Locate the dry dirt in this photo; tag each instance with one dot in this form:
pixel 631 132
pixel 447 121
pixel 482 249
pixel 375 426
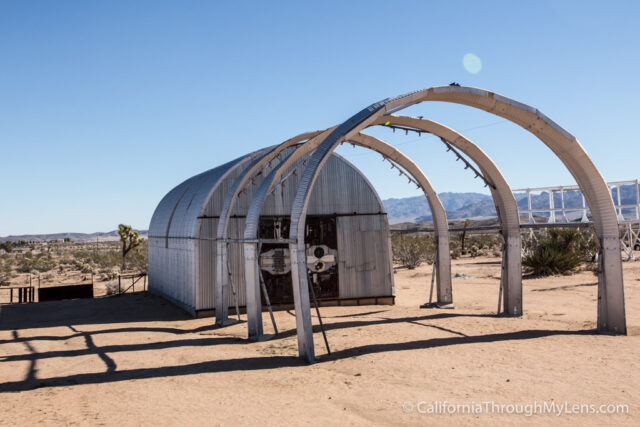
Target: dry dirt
pixel 136 359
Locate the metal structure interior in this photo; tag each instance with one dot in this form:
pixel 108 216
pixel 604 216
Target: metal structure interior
pixel 611 312
pixel 346 222
pixel 275 253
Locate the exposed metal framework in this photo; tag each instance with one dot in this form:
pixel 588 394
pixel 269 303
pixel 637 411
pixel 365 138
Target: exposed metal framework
pixel 258 165
pixel 628 213
pixel 254 306
pixel 467 164
pixel 183 236
pixel 178 217
pixel 611 313
pixel 506 207
pixel 511 280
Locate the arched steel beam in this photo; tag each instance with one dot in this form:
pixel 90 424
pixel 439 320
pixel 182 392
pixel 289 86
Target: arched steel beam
pixel 250 246
pixel 222 278
pixel 611 313
pixel 254 306
pixel 502 195
pixel 443 264
pixel 504 201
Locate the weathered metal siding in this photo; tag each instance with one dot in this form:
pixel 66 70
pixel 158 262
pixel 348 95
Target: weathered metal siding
pixel 164 210
pixel 341 189
pixel 364 265
pixel 182 249
pixel 172 232
pixel 172 270
pixel 207 251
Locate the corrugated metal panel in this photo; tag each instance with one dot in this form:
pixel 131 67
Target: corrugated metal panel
pixel 207 252
pixel 162 213
pixel 182 264
pixel 364 265
pixel 172 270
pixel 185 219
pixel 341 189
pixel 214 204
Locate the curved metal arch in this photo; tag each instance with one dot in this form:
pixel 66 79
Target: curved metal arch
pixel 611 315
pixel 504 201
pixel 221 283
pixel 443 264
pixel 254 307
pixel 502 195
pixel 250 249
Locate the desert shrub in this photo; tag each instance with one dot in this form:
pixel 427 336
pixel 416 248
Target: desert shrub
pixel 558 251
pixel 411 250
pixel 6 270
pixel 112 288
pixel 138 258
pixel 475 244
pixel 486 241
pixel 475 251
pixel 99 259
pixel 455 249
pixel 109 273
pixel 35 263
pixel 25 265
pixel 86 268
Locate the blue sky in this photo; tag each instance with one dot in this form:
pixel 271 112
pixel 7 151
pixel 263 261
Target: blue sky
pixel 105 106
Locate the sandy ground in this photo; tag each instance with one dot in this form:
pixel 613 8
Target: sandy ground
pixel 136 359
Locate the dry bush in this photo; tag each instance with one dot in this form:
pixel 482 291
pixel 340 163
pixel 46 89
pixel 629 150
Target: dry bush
pixel 138 258
pixel 6 269
pixel 96 259
pixel 412 250
pixel 455 249
pixel 38 263
pixel 558 251
pixel 112 288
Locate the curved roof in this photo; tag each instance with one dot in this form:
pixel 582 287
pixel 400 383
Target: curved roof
pixel 176 216
pixel 177 213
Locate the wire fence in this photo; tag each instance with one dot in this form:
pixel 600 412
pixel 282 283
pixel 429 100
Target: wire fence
pixel 38 290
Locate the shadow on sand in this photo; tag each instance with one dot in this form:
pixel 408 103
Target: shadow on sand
pixel 139 308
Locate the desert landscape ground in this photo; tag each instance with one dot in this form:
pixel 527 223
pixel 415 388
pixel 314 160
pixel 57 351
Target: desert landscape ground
pixel 136 359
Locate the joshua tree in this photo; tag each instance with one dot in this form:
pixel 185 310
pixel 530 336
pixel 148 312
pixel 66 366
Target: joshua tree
pixel 7 246
pixel 467 222
pixel 130 240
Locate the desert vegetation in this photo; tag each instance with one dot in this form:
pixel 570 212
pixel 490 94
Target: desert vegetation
pixel 545 252
pixel 410 250
pixel 559 251
pixel 65 262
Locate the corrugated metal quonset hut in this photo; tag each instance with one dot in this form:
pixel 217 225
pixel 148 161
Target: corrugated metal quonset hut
pixel 346 227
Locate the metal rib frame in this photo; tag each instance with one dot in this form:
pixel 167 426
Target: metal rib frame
pixel 503 199
pixel 254 308
pixel 222 283
pixel 611 312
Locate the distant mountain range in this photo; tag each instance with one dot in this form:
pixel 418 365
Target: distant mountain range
pixel 480 206
pixel 457 205
pixel 410 209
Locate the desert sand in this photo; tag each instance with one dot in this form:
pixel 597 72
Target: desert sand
pixel 138 360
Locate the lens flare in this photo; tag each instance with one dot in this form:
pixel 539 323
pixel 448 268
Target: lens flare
pixel 472 63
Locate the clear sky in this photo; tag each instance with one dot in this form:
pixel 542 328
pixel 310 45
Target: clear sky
pixel 107 105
